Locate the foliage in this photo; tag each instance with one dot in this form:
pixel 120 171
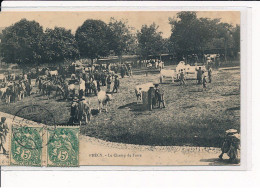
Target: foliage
pixel 150 41
pixel 21 43
pixel 122 39
pixel 93 39
pixel 189 33
pixel 193 35
pixel 236 36
pixel 59 45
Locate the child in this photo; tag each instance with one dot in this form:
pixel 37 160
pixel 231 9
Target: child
pixel 182 78
pixel 139 94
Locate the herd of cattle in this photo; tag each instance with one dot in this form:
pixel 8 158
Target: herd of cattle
pixel 79 81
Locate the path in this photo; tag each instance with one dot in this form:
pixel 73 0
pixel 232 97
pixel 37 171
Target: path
pixel 94 151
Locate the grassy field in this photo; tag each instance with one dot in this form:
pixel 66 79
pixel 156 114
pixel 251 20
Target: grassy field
pixel 193 116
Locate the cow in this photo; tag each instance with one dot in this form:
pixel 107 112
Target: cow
pixel 103 99
pixel 189 71
pixel 53 73
pixel 167 73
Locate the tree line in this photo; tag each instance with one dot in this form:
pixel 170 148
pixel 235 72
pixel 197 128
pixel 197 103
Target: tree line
pixel 25 42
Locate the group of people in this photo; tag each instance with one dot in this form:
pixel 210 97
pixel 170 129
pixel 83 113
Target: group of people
pixel 156 63
pixel 201 77
pixel 14 90
pixel 80 111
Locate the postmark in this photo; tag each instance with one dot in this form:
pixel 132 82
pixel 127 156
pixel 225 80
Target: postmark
pixel 63 147
pixel 29 135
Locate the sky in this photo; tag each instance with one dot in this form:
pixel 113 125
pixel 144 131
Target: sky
pixel 72 20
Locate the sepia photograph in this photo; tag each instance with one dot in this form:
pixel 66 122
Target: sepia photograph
pixel 128 88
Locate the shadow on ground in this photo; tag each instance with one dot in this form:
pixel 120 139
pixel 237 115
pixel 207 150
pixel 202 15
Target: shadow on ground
pixel 218 162
pixel 133 106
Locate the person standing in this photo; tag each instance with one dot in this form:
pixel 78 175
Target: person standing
pixel 210 74
pixel 74 111
pixel 204 82
pixel 82 88
pixel 199 75
pixel 130 70
pixel 182 78
pixel 151 97
pixel 116 84
pixel 109 81
pixel 3 133
pixel 122 71
pixel 159 95
pixel 83 111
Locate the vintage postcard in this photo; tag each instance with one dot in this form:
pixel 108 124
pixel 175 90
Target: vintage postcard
pixel 120 88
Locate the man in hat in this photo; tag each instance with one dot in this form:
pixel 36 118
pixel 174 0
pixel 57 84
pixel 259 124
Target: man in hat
pixel 116 84
pixel 3 133
pixel 159 95
pixel 199 75
pixel 74 110
pixel 231 145
pixel 83 111
pixel 109 81
pixel 82 87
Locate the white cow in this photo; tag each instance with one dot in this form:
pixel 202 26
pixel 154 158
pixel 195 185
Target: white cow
pixel 189 71
pixel 103 100
pixel 181 66
pixel 53 73
pixel 167 73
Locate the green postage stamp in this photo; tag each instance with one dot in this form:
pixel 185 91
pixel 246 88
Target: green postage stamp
pixel 63 147
pixel 38 146
pixel 26 146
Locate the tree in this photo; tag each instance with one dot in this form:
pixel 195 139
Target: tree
pixel 21 43
pixel 236 36
pixel 122 38
pixel 59 45
pixel 93 39
pixel 191 34
pixel 150 41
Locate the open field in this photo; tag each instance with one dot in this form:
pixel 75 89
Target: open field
pixel 192 117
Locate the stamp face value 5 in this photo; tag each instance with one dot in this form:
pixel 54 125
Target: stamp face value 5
pixel 26 146
pixel 63 147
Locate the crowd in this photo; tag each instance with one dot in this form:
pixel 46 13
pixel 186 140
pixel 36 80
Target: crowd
pixel 16 88
pixel 152 63
pixel 203 76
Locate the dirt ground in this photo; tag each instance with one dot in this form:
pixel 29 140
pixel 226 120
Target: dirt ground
pixel 193 116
